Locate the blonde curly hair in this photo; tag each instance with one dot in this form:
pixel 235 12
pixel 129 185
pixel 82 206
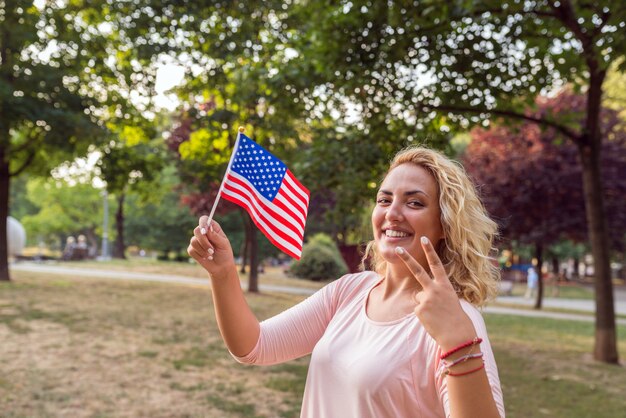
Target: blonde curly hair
pixel 468 229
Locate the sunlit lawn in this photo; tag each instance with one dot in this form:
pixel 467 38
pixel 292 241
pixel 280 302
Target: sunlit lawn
pixel 546 369
pixel 566 291
pixel 86 347
pixel 83 347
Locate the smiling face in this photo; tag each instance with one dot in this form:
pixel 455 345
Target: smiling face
pixel 407 208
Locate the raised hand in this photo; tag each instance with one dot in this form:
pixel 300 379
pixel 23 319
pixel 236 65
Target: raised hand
pixel 438 306
pixel 210 247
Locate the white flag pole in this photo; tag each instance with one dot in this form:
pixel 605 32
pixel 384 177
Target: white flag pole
pixel 230 163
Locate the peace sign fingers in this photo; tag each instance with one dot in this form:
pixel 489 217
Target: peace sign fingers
pixel 437 305
pixel 415 268
pixel 436 266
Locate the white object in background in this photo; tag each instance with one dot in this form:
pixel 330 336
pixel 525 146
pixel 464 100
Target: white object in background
pixel 16 236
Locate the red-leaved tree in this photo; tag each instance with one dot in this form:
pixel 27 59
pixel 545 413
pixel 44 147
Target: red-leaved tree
pixel 531 179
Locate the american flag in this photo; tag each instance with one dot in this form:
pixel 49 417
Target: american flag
pixel 276 201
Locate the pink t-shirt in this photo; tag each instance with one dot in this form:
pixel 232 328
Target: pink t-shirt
pixel 360 367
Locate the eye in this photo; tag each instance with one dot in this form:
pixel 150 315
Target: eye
pixel 383 201
pixel 415 204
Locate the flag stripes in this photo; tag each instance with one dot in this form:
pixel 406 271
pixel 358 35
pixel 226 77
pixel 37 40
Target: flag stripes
pixel 275 200
pixel 239 186
pixel 282 227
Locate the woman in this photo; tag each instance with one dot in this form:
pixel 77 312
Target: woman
pixel 404 340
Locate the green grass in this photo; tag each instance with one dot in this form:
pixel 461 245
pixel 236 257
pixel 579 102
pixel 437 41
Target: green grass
pixel 245 410
pixel 546 369
pixel 194 357
pixel 153 349
pixel 549 309
pixel 18 317
pixel 567 291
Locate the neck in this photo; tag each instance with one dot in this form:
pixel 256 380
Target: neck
pixel 398 280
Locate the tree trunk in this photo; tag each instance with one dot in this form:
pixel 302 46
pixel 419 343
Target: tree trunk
pixel 605 348
pixel 244 250
pixel 5 141
pixel 556 266
pixel 253 279
pixel 245 243
pixel 119 248
pixel 576 274
pixel 539 257
pixel 589 147
pixel 4 213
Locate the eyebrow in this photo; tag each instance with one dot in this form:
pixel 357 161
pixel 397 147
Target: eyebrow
pixel 407 193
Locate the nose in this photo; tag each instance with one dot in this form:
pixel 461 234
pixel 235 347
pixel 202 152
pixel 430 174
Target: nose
pixel 394 212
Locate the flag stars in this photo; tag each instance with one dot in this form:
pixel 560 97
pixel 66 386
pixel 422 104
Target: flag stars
pixel 260 168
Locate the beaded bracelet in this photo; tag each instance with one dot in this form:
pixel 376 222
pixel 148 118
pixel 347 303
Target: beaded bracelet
pixel 460 360
pixel 470 343
pixel 467 372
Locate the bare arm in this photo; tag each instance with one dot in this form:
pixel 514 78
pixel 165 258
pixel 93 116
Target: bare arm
pixel 470 395
pixel 440 311
pixel 237 323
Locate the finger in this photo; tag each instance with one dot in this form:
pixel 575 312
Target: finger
pixel 434 262
pixel 199 234
pixel 201 244
pixel 414 267
pixel 216 236
pixel 199 256
pixel 417 297
pixel 207 226
pixel 216 228
pixel 213 233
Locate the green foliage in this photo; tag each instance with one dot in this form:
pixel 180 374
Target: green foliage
pixel 567 249
pixel 62 209
pixel 320 260
pixel 45 115
pixel 445 64
pixel 155 218
pixel 57 85
pixel 615 90
pixel 122 166
pixel 19 205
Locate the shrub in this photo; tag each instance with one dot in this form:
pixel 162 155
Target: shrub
pixel 320 260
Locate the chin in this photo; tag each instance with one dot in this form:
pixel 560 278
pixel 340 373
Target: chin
pixel 389 255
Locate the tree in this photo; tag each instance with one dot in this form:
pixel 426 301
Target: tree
pixel 156 219
pixel 566 250
pixel 130 159
pixel 462 62
pixel 19 205
pixel 64 209
pixel 242 85
pixel 532 179
pixel 45 115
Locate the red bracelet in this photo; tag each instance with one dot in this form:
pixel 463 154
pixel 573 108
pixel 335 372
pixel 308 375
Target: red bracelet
pixel 476 340
pixel 467 372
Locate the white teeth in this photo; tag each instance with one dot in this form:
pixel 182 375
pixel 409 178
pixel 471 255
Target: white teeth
pixel 395 234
